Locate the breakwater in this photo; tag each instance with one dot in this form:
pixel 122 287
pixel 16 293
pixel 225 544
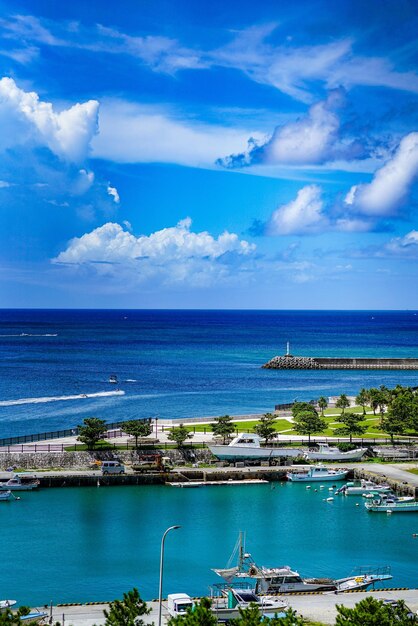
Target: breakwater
pixel 288 361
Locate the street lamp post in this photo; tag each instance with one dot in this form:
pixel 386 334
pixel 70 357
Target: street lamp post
pixel 160 592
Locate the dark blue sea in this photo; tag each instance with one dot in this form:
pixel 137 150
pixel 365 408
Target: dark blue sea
pixel 182 363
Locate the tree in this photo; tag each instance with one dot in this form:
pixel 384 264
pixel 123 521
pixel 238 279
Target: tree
pixel 298 407
pixel 92 430
pixel 372 612
pixel 363 398
pixel 322 404
pixel 352 426
pixel 12 618
pixel 392 424
pixel 127 611
pixel 137 428
pixel 200 615
pixel 265 427
pixel 179 434
pixel 308 423
pixel 374 399
pixel 223 426
pixel 342 403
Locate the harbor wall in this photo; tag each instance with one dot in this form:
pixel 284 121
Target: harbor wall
pixel 300 362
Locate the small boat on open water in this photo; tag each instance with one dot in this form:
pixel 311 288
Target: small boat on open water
pixel 16 484
pixel 317 473
pixel 247 446
pixel 325 452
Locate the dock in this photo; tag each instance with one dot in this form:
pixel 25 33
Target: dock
pixel 319 607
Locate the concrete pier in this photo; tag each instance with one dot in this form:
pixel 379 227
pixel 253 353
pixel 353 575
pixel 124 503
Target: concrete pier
pixel 334 363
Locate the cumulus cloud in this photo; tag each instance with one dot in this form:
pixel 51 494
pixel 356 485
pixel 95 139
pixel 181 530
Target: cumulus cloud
pixel 391 184
pixel 312 139
pixel 131 133
pixel 174 254
pixel 67 133
pixel 113 192
pixel 300 216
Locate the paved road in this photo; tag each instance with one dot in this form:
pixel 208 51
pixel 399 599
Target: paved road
pixel 314 607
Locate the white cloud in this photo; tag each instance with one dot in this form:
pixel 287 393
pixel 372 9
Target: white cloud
pixel 406 246
pixel 312 139
pixel 391 183
pixel 132 133
pixel 300 216
pixel 4 184
pixel 113 192
pixel 172 255
pixel 292 69
pixel 25 118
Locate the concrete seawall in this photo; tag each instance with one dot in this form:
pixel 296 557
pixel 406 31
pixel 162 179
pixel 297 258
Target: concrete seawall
pixel 331 363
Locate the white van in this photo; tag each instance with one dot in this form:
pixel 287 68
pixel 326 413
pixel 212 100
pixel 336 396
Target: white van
pixel 112 467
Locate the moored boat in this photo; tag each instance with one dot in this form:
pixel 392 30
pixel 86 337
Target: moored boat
pixel 317 473
pixel 5 496
pixel 283 579
pixel 6 604
pixel 363 487
pixel 16 484
pixel 247 446
pixel 325 452
pixel 384 505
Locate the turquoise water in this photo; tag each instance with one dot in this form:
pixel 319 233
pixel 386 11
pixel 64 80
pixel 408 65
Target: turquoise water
pixel 76 545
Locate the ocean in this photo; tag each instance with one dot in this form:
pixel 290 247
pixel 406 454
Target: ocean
pixel 182 363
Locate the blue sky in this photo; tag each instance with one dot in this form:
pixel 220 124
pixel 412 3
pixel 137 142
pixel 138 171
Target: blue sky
pixel 209 154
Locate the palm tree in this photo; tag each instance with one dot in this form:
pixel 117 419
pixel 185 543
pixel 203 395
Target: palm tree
pixel 322 404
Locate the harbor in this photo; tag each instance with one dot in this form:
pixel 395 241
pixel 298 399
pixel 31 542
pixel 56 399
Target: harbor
pixel 313 607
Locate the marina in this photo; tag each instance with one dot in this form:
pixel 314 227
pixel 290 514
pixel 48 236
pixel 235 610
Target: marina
pixel 107 527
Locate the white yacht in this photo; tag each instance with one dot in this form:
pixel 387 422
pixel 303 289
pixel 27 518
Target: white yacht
pixel 248 446
pixel 325 452
pixel 317 473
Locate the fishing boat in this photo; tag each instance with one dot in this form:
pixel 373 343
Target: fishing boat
pixel 16 484
pixel 317 473
pixel 325 452
pixel 247 446
pixel 285 580
pixel 6 604
pixel 5 496
pixel 383 505
pixel 113 379
pixel 364 487
pixel 227 600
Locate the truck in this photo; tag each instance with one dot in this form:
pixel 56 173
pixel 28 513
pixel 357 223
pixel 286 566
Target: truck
pixel 151 463
pixel 178 603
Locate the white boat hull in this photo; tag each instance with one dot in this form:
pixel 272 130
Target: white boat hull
pixel 353 455
pixel 240 453
pixel 306 478
pixel 395 507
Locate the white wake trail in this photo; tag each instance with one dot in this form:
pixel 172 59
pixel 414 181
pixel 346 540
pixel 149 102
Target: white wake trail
pixel 79 396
